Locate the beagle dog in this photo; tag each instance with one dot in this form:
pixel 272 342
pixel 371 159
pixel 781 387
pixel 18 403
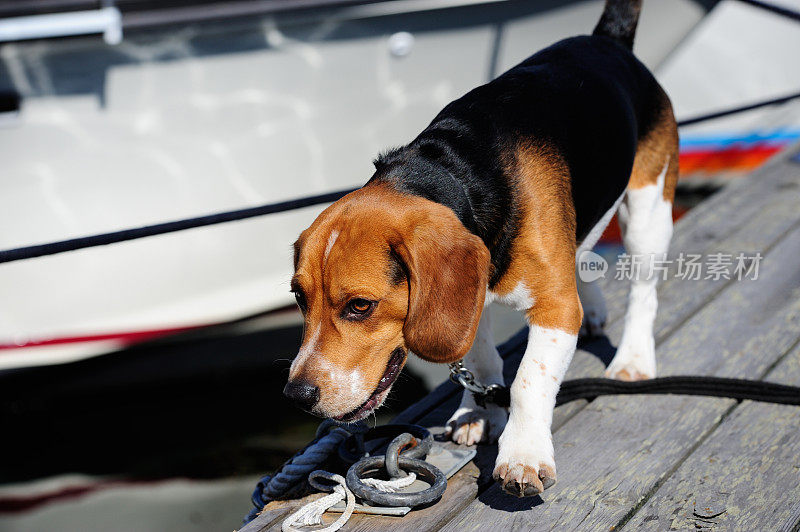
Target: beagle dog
pixel 494 201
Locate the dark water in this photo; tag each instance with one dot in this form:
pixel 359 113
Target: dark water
pixel 205 406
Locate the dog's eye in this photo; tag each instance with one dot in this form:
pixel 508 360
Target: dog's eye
pixel 359 307
pixel 300 297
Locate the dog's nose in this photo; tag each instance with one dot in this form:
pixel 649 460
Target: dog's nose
pixel 302 393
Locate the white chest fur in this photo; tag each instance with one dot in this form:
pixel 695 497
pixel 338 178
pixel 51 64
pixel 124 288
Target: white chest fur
pixel 520 298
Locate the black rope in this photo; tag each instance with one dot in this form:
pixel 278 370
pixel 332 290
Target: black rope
pixel 740 389
pixel 782 11
pixel 736 110
pixel 40 250
pixel 103 239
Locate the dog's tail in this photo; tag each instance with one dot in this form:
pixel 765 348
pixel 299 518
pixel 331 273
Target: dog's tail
pixel 619 21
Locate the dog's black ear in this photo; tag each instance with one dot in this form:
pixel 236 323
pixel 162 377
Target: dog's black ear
pixel 448 271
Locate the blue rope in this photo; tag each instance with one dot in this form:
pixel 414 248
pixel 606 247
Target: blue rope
pixel 292 474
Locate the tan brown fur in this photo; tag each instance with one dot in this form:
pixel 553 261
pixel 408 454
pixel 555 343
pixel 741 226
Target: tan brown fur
pixel 652 152
pixel 434 311
pixel 544 250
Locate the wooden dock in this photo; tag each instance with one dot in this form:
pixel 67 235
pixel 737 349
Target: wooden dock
pixel 662 462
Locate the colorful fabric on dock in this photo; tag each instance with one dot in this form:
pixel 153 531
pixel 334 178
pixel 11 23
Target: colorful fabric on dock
pixel 742 152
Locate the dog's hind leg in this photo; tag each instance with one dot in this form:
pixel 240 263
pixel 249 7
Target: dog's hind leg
pixel 594 308
pixel 591 296
pixel 645 218
pixel 472 423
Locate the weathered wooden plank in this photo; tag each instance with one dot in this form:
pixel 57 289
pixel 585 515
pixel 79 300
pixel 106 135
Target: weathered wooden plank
pixel 745 476
pixel 739 333
pixel 793 523
pixel 601 474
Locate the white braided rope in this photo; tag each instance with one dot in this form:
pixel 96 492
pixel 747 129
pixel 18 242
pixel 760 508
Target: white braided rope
pixel 391 486
pixel 311 514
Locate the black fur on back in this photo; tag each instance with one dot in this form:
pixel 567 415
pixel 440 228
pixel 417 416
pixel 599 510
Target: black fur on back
pixel 586 98
pixel 451 163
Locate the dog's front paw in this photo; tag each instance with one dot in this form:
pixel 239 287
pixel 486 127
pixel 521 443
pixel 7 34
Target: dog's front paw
pixel 523 480
pixel 525 465
pixel 474 424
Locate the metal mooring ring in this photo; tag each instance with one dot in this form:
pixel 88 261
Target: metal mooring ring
pixel 423 470
pixel 349 449
pixel 393 451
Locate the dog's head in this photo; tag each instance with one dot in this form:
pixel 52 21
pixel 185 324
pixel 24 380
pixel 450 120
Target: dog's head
pixel 379 274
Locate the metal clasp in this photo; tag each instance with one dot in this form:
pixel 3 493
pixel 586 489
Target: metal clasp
pixel 463 377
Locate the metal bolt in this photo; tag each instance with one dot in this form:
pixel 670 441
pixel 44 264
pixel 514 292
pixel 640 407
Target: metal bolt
pixel 401 43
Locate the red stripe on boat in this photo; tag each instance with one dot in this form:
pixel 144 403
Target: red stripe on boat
pixel 10 504
pixel 128 337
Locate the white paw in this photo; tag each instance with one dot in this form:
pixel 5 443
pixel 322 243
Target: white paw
pixel 525 466
pixel 474 424
pixel 634 361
